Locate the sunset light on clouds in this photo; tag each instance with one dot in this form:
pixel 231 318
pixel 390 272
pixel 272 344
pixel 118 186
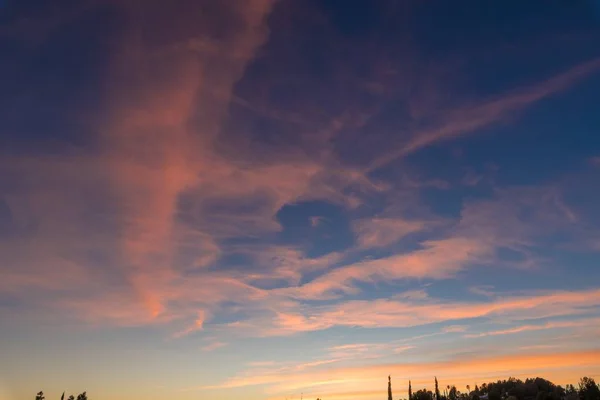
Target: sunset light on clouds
pixel 260 199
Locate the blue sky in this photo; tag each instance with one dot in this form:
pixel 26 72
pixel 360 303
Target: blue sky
pixel 206 201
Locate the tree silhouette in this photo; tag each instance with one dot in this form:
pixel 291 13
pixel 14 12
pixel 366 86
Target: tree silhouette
pixel 409 390
pixel 390 388
pixel 588 390
pixel 570 389
pixel 423 394
pixel 452 394
pixel 437 390
pixel 494 395
pixel 40 396
pixel 82 396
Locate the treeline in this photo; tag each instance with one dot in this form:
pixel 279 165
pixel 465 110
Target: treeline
pixel 510 389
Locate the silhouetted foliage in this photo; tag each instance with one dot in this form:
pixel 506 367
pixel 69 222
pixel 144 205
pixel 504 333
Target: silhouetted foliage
pixel 423 394
pixel 570 389
pixel 82 396
pixel 409 391
pixel 437 390
pixel 588 389
pixel 519 390
pixel 494 395
pixel 453 393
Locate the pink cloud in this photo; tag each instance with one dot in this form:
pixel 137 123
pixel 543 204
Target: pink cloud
pixel 381 232
pixel 438 259
pixel 214 346
pixel 198 325
pixel 484 228
pixel 548 325
pixel 150 157
pixel 292 318
pixel 455 328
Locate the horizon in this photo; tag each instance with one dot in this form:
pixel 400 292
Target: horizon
pixel 262 198
pixel 507 389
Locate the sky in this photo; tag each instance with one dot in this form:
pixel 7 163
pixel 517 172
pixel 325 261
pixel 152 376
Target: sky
pixel 281 199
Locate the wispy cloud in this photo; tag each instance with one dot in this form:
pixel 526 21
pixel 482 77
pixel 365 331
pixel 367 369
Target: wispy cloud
pixel 467 119
pixel 438 259
pixel 316 221
pixel 381 232
pixel 455 328
pixel 452 371
pixel 367 350
pixel 214 346
pixel 549 325
pixel 275 317
pixel 197 326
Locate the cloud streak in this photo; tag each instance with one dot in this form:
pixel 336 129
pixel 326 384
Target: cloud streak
pixel 448 370
pixel 466 120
